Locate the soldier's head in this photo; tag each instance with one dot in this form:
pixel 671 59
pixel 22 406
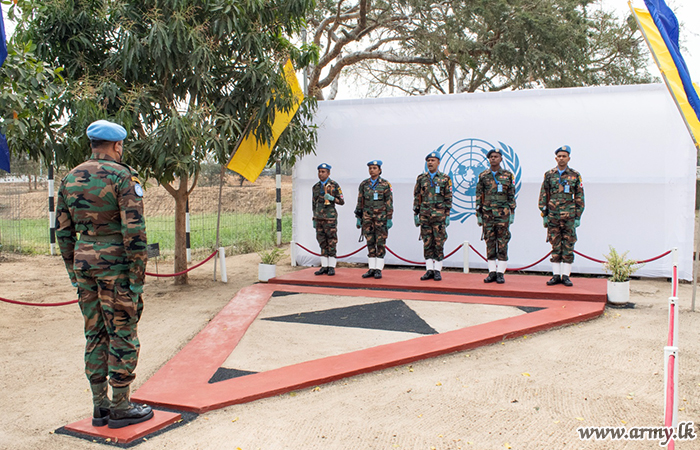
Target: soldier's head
pixel 432 160
pixel 375 168
pixel 106 137
pixel 562 156
pixel 324 171
pixel 495 157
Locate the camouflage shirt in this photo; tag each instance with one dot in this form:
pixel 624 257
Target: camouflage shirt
pixel 323 211
pixel 102 201
pixel 375 202
pixel 495 195
pixel 561 196
pixel 433 197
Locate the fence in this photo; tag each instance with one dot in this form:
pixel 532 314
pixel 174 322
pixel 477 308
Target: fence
pixel 248 215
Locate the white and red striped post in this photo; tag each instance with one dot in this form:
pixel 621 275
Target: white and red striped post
pixel 671 356
pixel 187 231
pixel 52 212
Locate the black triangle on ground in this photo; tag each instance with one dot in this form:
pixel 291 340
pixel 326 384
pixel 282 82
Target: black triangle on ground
pixel 393 315
pixel 529 309
pixel 223 374
pixel 283 293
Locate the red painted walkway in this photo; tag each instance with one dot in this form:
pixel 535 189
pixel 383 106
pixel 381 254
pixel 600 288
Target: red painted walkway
pixel 182 384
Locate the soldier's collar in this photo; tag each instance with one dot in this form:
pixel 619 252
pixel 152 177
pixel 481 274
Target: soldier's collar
pixel 105 156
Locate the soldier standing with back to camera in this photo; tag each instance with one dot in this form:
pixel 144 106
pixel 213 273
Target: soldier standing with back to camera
pixel 325 195
pixel 561 203
pixel 495 212
pixel 432 203
pixel 374 212
pixel 101 232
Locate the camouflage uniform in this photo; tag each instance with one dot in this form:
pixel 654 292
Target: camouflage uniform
pixel 101 201
pixel 432 202
pixel 562 202
pixel 375 206
pixel 494 208
pixel 326 216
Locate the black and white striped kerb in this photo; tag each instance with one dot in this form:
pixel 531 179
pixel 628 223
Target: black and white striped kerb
pixel 187 231
pixel 52 213
pixel 278 199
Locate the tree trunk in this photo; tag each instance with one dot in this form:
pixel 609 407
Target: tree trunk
pixel 180 195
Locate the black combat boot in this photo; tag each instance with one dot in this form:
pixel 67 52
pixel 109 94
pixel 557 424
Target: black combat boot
pixel 369 273
pixel 556 279
pixel 566 281
pixel 499 278
pixel 428 275
pixel 123 413
pixel 377 274
pixel 330 271
pixel 437 276
pixel 490 278
pixel 321 271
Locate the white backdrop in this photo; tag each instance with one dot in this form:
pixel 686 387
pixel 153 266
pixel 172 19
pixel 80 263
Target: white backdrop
pixel 629 143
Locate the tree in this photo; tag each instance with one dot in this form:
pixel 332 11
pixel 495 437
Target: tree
pixel 187 78
pixel 423 46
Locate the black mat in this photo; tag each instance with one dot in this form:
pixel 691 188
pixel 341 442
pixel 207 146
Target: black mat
pixel 223 374
pixel 528 309
pixel 392 315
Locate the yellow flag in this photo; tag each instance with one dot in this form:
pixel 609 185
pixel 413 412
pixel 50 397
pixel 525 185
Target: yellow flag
pixel 251 157
pixel 669 71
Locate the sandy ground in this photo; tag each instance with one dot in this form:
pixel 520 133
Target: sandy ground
pixel 528 393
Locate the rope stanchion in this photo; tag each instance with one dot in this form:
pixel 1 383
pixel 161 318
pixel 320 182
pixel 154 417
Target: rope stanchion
pixel 15 302
pixel 184 271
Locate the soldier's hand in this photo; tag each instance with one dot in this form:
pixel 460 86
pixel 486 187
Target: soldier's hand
pixel 545 220
pixel 416 220
pixel 447 221
pixel 577 222
pixel 511 219
pixel 329 197
pixel 389 223
pixel 479 220
pixel 359 223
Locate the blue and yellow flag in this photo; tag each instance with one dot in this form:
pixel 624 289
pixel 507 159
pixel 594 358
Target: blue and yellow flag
pixel 251 157
pixel 660 29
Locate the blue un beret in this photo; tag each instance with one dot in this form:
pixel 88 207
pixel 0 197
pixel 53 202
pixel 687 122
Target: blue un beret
pixel 324 166
pixel 433 155
pixel 376 162
pixel 104 130
pixel 494 150
pixel 563 148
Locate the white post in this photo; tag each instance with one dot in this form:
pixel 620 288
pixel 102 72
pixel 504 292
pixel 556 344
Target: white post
pixel 674 278
pixel 465 252
pixel 293 253
pixel 222 263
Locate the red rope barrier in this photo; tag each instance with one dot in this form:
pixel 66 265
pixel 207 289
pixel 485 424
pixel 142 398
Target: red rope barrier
pixel 15 302
pixel 403 259
pixel 654 258
pixel 515 269
pixel 588 257
pixel 477 252
pixel 339 257
pixel 454 251
pixel 184 271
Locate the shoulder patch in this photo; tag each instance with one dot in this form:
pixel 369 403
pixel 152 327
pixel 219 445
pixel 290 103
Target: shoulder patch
pixel 138 190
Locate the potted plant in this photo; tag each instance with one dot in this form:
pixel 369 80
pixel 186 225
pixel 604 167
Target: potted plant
pixel 620 269
pixel 268 263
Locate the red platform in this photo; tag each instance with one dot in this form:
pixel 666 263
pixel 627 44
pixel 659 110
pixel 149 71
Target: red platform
pixel 183 383
pixel 160 420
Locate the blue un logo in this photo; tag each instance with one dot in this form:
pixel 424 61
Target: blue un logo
pixel 463 161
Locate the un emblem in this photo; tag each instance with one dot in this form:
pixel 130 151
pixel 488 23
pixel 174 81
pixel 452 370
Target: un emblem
pixel 463 161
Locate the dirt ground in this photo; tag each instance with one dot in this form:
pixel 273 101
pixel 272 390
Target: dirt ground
pixel 528 393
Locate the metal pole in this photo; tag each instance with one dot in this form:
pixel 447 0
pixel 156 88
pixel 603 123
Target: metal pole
pixel 278 182
pixel 52 213
pixel 187 231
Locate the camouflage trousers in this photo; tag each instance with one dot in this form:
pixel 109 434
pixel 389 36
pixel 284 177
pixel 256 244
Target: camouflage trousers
pixel 561 233
pixel 497 236
pixel 327 236
pixel 375 232
pixel 111 312
pixel 434 234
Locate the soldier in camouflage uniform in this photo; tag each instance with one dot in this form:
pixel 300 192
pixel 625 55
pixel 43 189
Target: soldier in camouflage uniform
pixel 374 211
pixel 102 236
pixel 495 211
pixel 325 195
pixel 432 203
pixel 562 203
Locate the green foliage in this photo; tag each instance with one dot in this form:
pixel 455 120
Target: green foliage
pixel 271 256
pixel 619 267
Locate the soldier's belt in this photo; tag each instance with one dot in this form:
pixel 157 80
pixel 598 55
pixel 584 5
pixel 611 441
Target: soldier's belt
pixel 103 238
